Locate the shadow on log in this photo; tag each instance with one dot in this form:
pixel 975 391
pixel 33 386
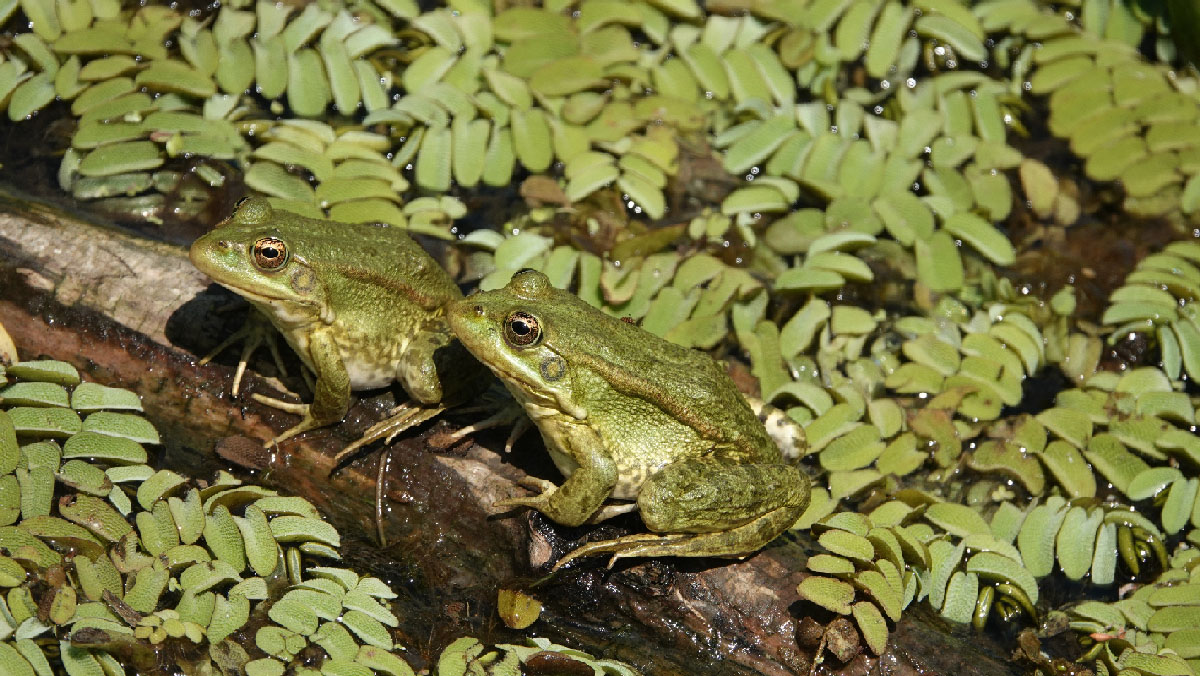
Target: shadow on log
pixel 133 313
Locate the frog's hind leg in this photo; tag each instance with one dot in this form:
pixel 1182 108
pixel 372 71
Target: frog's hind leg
pixel 734 542
pixel 501 410
pixel 400 419
pixel 702 508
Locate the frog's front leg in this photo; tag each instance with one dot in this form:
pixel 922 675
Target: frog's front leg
pixel 420 372
pixel 582 494
pixel 331 394
pixel 437 372
pixel 254 332
pixel 706 508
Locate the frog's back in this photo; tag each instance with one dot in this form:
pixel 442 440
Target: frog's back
pixel 397 263
pixel 687 384
pixel 372 256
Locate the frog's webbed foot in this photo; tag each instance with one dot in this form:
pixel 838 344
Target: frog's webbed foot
pixel 254 332
pixel 508 414
pixel 399 419
pixel 641 544
pixel 307 420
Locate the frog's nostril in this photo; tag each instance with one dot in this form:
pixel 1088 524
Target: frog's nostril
pixel 478 310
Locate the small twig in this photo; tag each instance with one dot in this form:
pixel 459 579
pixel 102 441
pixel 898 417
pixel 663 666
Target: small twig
pixel 121 609
pixel 383 460
pixel 812 670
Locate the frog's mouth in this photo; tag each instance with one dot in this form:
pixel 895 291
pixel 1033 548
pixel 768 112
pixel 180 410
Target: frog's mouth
pixel 287 309
pixel 249 295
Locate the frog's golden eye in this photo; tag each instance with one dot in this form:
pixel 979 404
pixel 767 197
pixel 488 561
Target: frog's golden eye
pixel 522 329
pixel 270 253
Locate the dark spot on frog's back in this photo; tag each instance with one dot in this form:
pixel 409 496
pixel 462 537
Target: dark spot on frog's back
pixel 303 280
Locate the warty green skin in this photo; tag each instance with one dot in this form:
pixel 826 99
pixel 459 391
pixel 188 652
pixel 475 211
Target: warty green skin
pixel 628 415
pixel 361 304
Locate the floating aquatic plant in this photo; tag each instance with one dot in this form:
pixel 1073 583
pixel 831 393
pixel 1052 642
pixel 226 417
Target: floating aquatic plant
pixel 863 143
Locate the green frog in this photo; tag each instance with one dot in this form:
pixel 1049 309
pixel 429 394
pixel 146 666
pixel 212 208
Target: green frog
pixel 629 416
pixel 361 304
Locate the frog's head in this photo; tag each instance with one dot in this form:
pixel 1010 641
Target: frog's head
pixel 512 330
pixel 252 253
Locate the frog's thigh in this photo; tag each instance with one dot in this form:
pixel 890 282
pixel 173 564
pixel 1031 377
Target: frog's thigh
pixel 698 496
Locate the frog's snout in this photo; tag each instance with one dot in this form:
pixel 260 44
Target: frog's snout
pixel 207 254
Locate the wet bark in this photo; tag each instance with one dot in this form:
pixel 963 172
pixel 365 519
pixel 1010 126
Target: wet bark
pixel 134 313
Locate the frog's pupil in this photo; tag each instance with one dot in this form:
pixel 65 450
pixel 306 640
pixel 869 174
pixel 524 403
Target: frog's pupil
pixel 520 328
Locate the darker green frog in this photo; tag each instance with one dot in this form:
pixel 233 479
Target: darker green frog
pixel 628 416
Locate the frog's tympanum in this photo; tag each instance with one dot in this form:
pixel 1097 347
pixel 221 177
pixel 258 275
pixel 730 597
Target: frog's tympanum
pixel 629 416
pixel 361 304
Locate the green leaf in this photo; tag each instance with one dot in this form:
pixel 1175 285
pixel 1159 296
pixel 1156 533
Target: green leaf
pixel 833 595
pixel 848 544
pixel 1150 482
pixel 938 264
pixel 961 594
pixel 957 519
pixel 166 75
pixel 1037 537
pixel 890 30
pixel 854 450
pixel 89 397
pixel 1069 468
pixel 1076 541
pixel 999 567
pixel 982 236
pixel 757 145
pixel 121 158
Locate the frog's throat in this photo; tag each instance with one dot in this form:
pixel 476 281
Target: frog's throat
pixel 537 403
pixel 274 306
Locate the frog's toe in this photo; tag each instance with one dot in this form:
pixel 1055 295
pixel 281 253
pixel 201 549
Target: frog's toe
pixel 256 331
pixel 286 406
pixel 307 421
pixel 535 484
pixel 400 419
pixel 537 502
pixel 509 414
pixel 629 546
pixel 304 426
